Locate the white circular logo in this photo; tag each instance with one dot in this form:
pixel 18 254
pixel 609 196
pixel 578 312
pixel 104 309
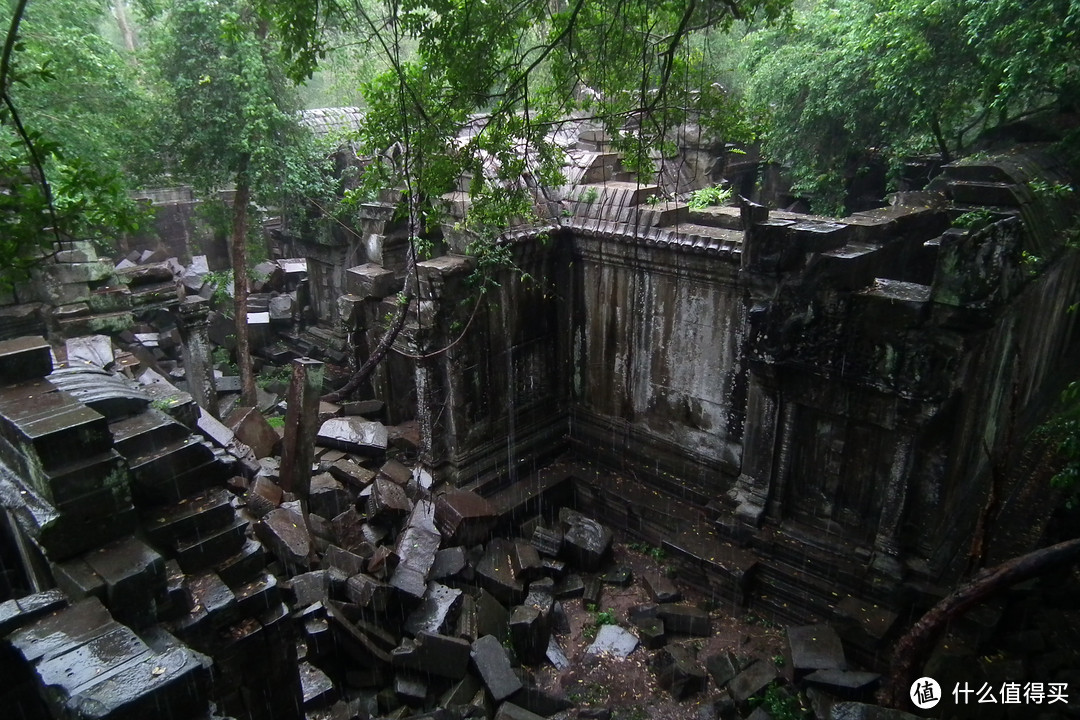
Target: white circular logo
pixel 925 693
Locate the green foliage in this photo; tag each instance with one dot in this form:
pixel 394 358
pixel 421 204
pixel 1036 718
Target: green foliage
pixel 510 72
pixel 223 360
pixel 850 79
pixel 1064 431
pixel 72 130
pixel 221 282
pixel 781 705
pixel 1050 190
pixel 606 617
pixel 711 195
pixel 656 552
pixel 273 375
pixel 276 422
pixel 589 196
pixel 974 220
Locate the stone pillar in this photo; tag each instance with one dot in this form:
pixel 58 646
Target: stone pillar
pixel 301 426
pixel 761 441
pixel 887 555
pixel 192 322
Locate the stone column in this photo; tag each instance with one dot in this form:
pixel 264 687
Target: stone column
pixel 887 555
pixel 761 440
pixel 301 426
pixel 192 322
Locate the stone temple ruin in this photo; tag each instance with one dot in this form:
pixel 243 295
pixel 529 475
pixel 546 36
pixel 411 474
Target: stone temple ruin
pixel 804 414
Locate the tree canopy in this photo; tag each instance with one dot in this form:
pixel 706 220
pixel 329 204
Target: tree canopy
pixel 845 79
pixel 74 131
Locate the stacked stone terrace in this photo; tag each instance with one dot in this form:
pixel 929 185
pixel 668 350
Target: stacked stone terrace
pixel 124 509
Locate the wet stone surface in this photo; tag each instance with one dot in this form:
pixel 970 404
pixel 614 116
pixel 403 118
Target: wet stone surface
pixel 354 435
pixel 613 640
pixel 492 663
pixel 816 647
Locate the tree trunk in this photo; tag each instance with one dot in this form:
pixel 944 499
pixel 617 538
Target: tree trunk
pixel 387 341
pixel 119 9
pixel 913 649
pixel 248 396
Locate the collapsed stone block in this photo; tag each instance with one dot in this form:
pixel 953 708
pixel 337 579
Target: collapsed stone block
pixel 530 633
pixel 493 665
pixel 327 497
pixel 464 517
pixel 436 611
pixel 686 620
pixel 284 533
pixel 678 672
pixel 353 435
pixel 251 428
pixel 497 572
pixel 585 541
pixel 434 654
pixel 752 680
pixel 416 548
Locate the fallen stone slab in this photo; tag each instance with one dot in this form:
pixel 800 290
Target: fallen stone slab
pixel 307 588
pixel 434 654
pixel 815 647
pixel 347 562
pixel 387 500
pixel 529 634
pixel 94 350
pixel 752 680
pixel 358 643
pixel 527 560
pixel 492 618
pixel 723 667
pixel 651 632
pixel 251 428
pixel 416 548
pixel 347 530
pixel 493 665
pixel 556 656
pixel 547 541
pixel 585 541
pixel 571 586
pixel 398 473
pixel 316 687
pixel 613 640
pixel 677 671
pixel 411 689
pixel 436 610
pixel 352 474
pixel 464 517
pixel 367 592
pixel 844 682
pixel 448 563
pixel 284 533
pixel 660 588
pixel 496 572
pixel 327 497
pixel 686 620
pixel 353 435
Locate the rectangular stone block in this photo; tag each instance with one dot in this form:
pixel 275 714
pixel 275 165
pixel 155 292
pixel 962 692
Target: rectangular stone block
pixel 371 281
pixel 24 358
